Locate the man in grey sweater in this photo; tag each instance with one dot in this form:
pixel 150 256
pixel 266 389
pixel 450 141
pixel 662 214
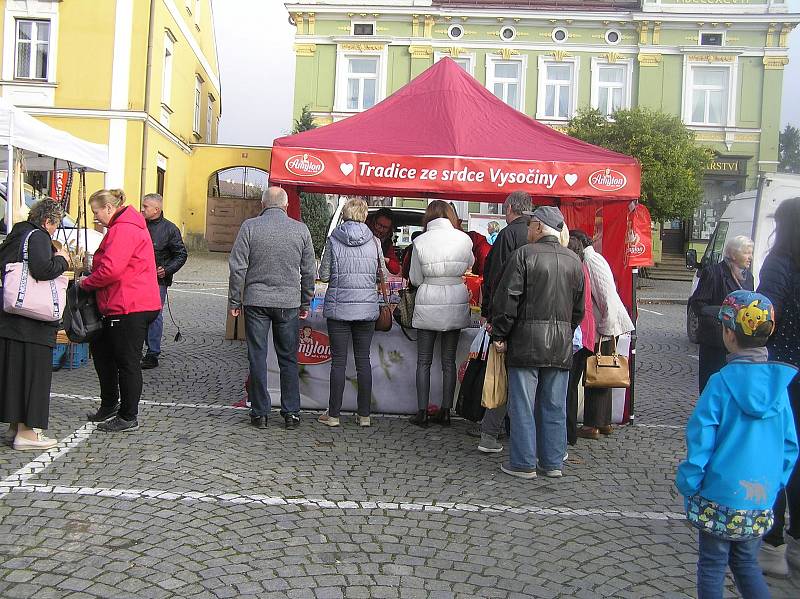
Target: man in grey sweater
pixel 272 270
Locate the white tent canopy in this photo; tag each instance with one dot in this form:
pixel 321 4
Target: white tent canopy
pixel 41 144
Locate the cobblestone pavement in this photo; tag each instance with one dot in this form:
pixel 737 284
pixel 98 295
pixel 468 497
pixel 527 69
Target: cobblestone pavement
pixel 199 504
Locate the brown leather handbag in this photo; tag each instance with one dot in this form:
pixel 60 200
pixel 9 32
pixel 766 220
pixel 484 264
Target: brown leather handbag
pixel 607 371
pixel 384 322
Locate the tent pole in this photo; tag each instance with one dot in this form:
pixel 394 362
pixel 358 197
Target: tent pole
pixel 10 190
pixel 632 361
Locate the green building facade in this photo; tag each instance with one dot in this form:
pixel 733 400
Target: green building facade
pixel 719 64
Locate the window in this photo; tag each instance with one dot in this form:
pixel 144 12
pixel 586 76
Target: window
pixel 455 32
pixel 33 49
pixel 610 87
pixel 363 28
pixel 612 37
pixel 508 33
pixel 506 83
pixel 709 95
pixel 464 63
pixel 198 94
pixel 161 173
pixel 560 35
pixel 465 60
pixel 166 82
pixel 362 83
pixel 209 118
pixel 711 39
pixel 557 89
pixel 197 13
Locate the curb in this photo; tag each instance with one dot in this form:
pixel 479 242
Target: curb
pixel 663 300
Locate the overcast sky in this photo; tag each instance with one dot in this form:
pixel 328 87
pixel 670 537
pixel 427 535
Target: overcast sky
pixel 255 45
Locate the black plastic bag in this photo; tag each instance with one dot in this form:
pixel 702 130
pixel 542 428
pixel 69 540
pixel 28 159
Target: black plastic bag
pixel 82 319
pixel 468 405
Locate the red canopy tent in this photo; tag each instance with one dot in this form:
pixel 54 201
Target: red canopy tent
pixel 446 136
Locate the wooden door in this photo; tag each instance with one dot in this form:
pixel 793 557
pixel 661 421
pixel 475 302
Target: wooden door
pixel 224 217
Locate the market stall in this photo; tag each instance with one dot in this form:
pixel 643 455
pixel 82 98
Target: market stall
pixel 446 136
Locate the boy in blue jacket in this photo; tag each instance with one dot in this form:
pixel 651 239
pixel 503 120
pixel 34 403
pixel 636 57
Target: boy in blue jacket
pixel 742 447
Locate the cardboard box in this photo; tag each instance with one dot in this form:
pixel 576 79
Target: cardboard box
pixel 234 327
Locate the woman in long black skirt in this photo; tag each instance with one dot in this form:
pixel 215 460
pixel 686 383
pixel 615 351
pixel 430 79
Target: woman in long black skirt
pixel 26 345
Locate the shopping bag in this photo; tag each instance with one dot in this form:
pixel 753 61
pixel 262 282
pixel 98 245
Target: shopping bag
pixel 468 404
pixel 404 311
pixel 495 383
pixel 82 319
pixel 607 371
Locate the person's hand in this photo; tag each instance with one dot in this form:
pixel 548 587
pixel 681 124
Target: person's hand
pixel 500 347
pixel 235 312
pixel 303 313
pixel 64 254
pixel 386 260
pixel 161 272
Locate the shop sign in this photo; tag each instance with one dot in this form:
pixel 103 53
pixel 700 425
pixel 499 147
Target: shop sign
pixel 721 166
pixel 314 348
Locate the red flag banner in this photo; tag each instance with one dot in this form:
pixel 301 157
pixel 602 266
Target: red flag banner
pixel 639 239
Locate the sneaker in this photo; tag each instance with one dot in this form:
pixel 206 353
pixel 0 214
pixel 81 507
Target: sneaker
pixel 364 421
pixel 566 457
pixel 118 425
pixel 552 473
pixel 102 414
pixel 258 421
pixel 292 421
pixel 526 473
pixel 773 560
pixel 149 361
pixel 325 419
pixel 489 444
pixel 39 443
pixel 475 432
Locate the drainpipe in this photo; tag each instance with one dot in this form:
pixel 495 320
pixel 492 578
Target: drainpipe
pixel 147 80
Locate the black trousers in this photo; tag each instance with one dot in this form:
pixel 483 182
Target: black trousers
pixel 340 333
pixel 598 405
pixel 712 359
pixel 791 498
pixel 575 374
pixel 117 357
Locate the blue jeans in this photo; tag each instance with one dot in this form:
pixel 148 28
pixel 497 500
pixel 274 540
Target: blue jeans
pixel 286 339
pixel 156 328
pixel 537 409
pixel 714 557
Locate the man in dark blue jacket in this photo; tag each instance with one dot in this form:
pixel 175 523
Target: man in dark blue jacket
pixel 170 257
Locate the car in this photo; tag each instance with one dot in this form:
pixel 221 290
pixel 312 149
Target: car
pixel 68 232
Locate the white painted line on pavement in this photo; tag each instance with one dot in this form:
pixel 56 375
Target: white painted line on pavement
pixel 410 506
pixel 42 462
pixel 695 357
pixel 199 292
pixel 201 283
pixel 650 311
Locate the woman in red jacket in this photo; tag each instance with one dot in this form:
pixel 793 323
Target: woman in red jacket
pixel 125 281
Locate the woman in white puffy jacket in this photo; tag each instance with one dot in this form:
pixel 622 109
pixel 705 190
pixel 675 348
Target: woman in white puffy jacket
pixel 442 254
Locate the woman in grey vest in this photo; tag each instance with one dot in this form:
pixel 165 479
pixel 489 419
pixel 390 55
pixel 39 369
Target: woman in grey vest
pixel 350 265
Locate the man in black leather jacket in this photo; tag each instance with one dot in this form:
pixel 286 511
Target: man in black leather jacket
pixel 534 319
pixel 170 257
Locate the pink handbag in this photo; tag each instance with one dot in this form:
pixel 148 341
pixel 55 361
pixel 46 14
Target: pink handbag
pixel 25 296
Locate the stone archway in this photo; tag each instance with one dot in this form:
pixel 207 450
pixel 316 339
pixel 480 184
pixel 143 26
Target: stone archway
pixel 234 195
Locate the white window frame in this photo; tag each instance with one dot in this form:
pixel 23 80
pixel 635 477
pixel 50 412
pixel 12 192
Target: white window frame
pixel 33 43
pixel 198 104
pixel 553 35
pixel 469 56
pixel 450 31
pixel 541 96
pixel 196 13
pixel 492 60
pixel 353 28
pixel 36 10
pixel 688 91
pixel 168 59
pixel 627 86
pixel 342 58
pixel 713 31
pixel 507 39
pixel 210 118
pixel 609 32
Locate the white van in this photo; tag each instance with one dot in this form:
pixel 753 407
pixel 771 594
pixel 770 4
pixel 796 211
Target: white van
pixel 751 214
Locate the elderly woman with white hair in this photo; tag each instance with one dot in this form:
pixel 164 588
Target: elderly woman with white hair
pixel 716 282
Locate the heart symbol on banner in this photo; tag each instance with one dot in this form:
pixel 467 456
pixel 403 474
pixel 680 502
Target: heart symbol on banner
pixel 571 178
pixel 346 168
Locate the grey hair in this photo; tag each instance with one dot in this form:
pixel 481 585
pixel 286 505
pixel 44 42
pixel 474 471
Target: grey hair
pixel 46 211
pixel 548 230
pixel 274 197
pixel 518 202
pixel 156 197
pixel 738 245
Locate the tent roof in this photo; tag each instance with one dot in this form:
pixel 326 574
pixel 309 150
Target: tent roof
pixel 42 143
pixel 446 112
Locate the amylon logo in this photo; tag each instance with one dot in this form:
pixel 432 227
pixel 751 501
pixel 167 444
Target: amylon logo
pixel 304 165
pixel 315 347
pixel 607 180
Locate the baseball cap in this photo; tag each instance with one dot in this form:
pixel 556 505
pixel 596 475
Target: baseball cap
pixel 748 313
pixel 549 215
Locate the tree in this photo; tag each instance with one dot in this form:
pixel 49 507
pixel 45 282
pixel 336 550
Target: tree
pixel 672 163
pixel 313 206
pixel 789 150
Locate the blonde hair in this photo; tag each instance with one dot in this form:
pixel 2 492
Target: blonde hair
pixel 107 197
pixel 355 210
pixel 563 236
